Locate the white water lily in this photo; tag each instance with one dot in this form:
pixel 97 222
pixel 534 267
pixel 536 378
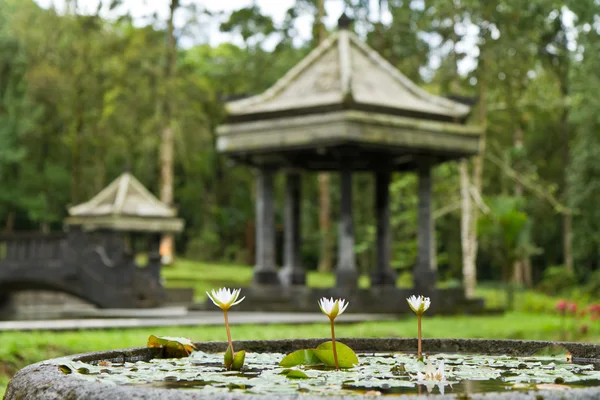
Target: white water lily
pixel 419 304
pixel 333 308
pixel 225 298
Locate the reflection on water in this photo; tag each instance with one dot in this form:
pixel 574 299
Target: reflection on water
pixel 465 386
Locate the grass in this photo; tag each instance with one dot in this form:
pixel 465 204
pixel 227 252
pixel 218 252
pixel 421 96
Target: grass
pixel 205 276
pixel 532 319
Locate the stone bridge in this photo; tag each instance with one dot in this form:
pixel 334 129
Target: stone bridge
pixel 97 267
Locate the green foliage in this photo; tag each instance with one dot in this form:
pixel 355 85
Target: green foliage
pixel 557 280
pixel 591 286
pixel 80 99
pixel 584 172
pixel 506 232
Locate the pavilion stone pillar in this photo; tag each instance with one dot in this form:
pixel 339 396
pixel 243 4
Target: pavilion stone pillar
pixel 383 274
pixel 265 271
pixel 292 272
pixel 346 272
pixel 424 274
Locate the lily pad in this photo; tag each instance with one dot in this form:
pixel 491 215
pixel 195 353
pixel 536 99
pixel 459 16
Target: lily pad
pixel 173 346
pixel 263 374
pixel 300 357
pixel 296 374
pixel 347 358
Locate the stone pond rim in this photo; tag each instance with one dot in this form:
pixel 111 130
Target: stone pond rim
pixel 44 380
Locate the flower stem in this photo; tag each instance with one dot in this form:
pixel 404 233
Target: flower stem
pixel 419 336
pixel 227 329
pixel 335 357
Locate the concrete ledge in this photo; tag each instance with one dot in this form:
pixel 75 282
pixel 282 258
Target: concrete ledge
pixel 45 381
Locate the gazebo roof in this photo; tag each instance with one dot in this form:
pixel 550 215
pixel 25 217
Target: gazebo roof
pixel 344 69
pixel 126 205
pixel 344 95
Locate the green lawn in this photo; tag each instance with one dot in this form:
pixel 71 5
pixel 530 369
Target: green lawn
pixel 203 277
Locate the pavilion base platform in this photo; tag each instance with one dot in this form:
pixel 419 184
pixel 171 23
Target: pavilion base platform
pixel 384 300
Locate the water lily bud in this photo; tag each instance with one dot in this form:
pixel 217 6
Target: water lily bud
pixel 238 360
pixel 228 359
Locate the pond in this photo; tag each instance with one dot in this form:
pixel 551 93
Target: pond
pixel 474 369
pixel 384 373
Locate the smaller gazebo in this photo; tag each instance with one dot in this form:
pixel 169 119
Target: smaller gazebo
pixel 125 208
pixel 125 205
pixel 344 108
pixel 121 222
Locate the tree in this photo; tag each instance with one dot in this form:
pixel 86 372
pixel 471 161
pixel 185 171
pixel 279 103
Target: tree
pixel 557 56
pixel 167 139
pixel 506 233
pixel 326 251
pixel 584 170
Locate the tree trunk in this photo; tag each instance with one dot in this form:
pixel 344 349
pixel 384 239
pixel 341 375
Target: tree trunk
pixel 469 270
pixel 326 250
pixel 567 217
pixel 469 213
pixel 9 227
pixel 521 268
pixel 320 17
pixel 76 149
pixel 167 140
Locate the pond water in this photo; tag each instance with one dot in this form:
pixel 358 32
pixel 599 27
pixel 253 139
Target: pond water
pixel 377 373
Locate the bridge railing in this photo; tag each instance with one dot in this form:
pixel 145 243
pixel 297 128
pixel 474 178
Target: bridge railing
pixel 30 246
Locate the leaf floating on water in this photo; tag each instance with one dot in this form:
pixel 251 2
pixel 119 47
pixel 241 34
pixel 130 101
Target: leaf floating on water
pixel 68 367
pixel 65 369
pixel 347 358
pixel 174 347
pixel 300 357
pixel 398 368
pixel 296 374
